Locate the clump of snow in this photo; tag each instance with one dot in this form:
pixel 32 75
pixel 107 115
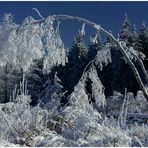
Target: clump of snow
pixel 103 57
pixel 53 140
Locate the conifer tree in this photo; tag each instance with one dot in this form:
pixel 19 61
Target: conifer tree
pixel 130 38
pixel 9 79
pixel 123 77
pixel 125 34
pixel 136 41
pixel 42 87
pixel 35 79
pixel 77 61
pixel 51 94
pixel 78 50
pixel 143 41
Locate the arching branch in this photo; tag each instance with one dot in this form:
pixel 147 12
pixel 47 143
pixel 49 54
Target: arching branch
pixel 119 45
pixel 140 64
pixel 38 13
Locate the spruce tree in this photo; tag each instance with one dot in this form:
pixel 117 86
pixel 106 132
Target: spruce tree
pixel 125 34
pixel 78 50
pixel 143 41
pixel 77 61
pixel 36 79
pixel 123 77
pixel 51 94
pixel 9 79
pixel 136 41
pixel 42 87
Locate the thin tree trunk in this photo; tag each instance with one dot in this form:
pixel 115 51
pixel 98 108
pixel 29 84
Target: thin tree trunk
pixel 6 84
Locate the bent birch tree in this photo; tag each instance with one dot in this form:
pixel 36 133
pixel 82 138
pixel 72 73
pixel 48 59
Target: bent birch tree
pixel 144 87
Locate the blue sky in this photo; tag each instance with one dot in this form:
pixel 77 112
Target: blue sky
pixel 109 14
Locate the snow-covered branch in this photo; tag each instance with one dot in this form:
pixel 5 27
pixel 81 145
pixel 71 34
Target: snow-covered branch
pixel 119 45
pixel 38 13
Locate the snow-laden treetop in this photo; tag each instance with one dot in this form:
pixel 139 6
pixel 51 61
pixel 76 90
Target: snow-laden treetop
pixel 21 44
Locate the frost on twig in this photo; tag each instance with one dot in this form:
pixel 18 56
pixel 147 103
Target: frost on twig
pixel 83 29
pixel 98 27
pixel 38 13
pixel 95 39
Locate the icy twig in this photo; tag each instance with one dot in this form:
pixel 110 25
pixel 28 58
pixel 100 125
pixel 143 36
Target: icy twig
pixel 87 133
pixel 8 125
pixel 138 141
pixel 38 13
pixel 72 126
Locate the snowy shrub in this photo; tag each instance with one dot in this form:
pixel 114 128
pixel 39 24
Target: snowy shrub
pixel 53 140
pixel 139 134
pixel 142 104
pixel 111 134
pixel 51 94
pixel 23 124
pixel 4 143
pixel 137 104
pixel 114 102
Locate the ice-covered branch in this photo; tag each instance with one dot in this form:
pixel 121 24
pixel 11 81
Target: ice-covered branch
pixel 119 45
pixel 38 13
pixel 83 29
pixel 140 63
